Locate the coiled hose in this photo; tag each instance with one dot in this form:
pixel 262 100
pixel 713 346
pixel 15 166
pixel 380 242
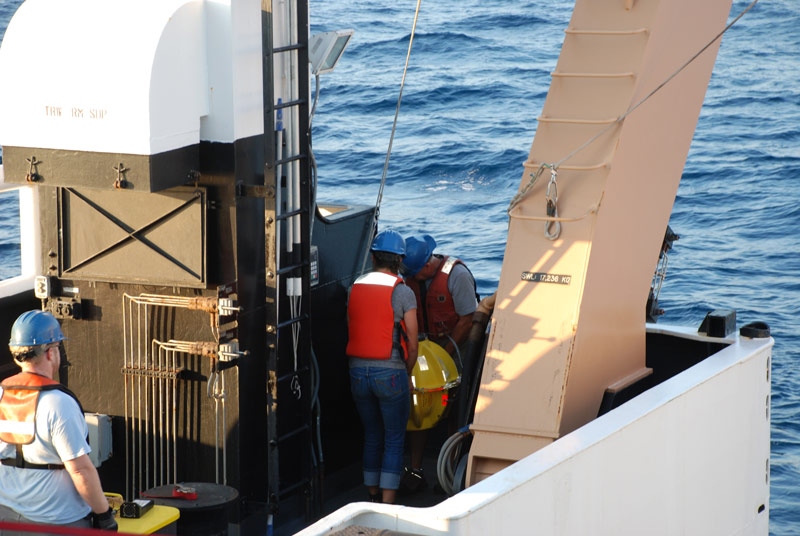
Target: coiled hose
pixel 449 457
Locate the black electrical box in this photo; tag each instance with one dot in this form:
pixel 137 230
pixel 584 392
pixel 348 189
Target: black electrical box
pixel 135 509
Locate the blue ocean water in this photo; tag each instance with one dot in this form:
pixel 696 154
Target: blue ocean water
pixel 10 264
pixel 477 80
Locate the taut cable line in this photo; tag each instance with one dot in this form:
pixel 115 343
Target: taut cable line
pixel 554 167
pixel 391 140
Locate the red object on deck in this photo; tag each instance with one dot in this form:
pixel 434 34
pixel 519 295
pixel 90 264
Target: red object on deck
pixel 178 492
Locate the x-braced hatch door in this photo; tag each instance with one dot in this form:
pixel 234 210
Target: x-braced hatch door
pixel 133 237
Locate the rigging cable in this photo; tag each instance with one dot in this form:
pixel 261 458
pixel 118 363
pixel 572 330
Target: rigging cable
pixel 554 167
pixel 374 225
pixel 313 160
pixel 316 408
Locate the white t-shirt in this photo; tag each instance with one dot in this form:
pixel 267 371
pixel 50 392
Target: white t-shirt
pixel 44 495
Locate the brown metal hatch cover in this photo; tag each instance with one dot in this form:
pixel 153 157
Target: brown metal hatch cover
pixel 133 237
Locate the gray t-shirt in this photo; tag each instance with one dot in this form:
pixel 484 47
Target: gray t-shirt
pixel 403 300
pixel 461 285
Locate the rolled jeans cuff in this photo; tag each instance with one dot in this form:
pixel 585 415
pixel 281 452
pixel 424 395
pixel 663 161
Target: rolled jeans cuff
pixel 372 478
pixel 382 480
pixel 390 481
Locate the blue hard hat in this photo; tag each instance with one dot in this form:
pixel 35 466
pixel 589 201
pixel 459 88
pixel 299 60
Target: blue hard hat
pixel 35 328
pixel 390 242
pixel 418 251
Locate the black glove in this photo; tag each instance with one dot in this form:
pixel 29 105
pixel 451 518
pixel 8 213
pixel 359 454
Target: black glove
pixel 105 521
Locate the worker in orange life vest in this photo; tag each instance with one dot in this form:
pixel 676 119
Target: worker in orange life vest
pixel 382 351
pixel 46 474
pixel 446 300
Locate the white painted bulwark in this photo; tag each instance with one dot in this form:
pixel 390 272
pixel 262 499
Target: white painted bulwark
pixel 689 456
pixel 157 79
pixel 30 249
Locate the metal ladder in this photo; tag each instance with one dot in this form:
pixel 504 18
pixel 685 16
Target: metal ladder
pixel 291 468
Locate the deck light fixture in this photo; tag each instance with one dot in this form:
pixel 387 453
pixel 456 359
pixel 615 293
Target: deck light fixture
pixel 326 48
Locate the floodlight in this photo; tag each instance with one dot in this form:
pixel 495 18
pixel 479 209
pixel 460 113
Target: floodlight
pixel 326 48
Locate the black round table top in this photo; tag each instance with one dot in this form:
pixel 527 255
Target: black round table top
pixel 209 495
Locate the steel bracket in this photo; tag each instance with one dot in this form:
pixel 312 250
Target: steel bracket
pixel 65 307
pixel 120 183
pixel 255 190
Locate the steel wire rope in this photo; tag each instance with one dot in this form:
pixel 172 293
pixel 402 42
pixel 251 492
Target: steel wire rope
pixel 374 225
pixel 554 167
pixel 313 160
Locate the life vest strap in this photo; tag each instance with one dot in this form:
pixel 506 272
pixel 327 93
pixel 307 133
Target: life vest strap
pixel 400 339
pixel 20 463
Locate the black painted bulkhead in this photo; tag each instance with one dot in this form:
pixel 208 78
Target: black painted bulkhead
pixel 229 235
pixel 223 236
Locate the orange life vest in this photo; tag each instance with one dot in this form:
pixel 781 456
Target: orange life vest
pixel 437 316
pixel 18 406
pixel 18 402
pixel 370 316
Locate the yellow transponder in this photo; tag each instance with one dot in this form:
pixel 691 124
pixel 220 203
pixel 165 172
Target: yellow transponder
pixel 434 375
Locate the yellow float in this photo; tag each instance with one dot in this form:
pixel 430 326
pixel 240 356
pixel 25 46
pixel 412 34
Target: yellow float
pixel 434 376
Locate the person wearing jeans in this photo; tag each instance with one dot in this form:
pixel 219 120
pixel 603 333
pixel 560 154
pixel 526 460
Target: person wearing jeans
pixel 382 351
pixel 383 400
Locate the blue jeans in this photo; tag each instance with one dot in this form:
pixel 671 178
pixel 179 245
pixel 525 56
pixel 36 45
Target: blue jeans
pixel 383 401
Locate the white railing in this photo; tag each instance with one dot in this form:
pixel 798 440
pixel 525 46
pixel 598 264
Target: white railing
pixel 689 456
pixel 29 239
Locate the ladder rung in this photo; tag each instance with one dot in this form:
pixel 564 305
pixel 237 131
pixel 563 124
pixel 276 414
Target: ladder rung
pixel 293 487
pixel 292 321
pixel 293 433
pixel 543 119
pixel 535 165
pixel 287 215
pixel 289 104
pixel 291 374
pixel 593 75
pixel 288 48
pixel 286 269
pixel 289 159
pixel 606 32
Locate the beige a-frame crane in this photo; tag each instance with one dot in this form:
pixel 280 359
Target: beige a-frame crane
pixel 569 319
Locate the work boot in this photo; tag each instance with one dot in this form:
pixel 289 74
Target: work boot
pixel 413 480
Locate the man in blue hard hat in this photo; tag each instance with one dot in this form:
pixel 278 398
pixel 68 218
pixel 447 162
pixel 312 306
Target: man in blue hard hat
pixel 445 291
pixel 446 300
pixel 45 470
